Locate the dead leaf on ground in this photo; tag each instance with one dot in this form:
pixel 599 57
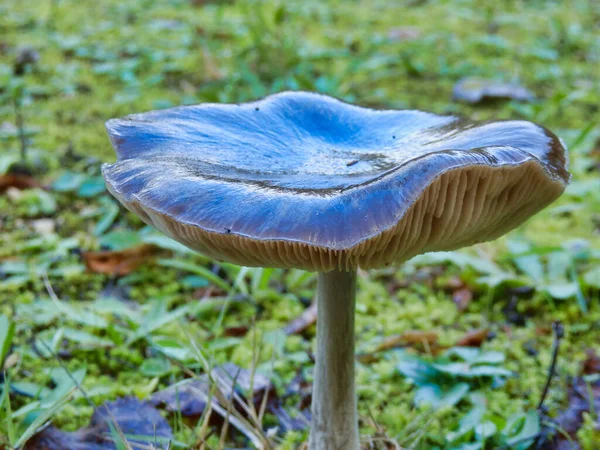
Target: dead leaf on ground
pixel 121 262
pixel 408 338
pixel 286 422
pixel 298 387
pixel 451 283
pixel 477 90
pixel 462 298
pixel 238 331
pixel 543 330
pixel 301 387
pixel 184 398
pixel 591 364
pixel 303 321
pixel 582 397
pixel 133 417
pixel 231 391
pixel 217 34
pixel 190 397
pixel 400 34
pixel 17 181
pixel 206 292
pixel 474 338
pixel 207 2
pixel 27 56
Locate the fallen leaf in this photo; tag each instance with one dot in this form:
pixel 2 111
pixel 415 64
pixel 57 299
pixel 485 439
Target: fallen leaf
pixel 453 283
pixel 543 330
pixel 17 181
pixel 582 397
pixel 245 380
pixel 303 321
pixel 26 56
pixel 121 262
pixel 237 331
pixel 298 387
pixel 476 90
pixel 399 34
pixel 413 338
pixel 184 398
pixel 591 365
pixel 287 422
pixel 228 390
pixel 206 2
pixel 133 418
pixel 206 292
pixel 474 338
pixel 462 298
pixel 217 34
pixel 190 397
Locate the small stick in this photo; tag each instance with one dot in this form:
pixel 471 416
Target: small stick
pixel 559 332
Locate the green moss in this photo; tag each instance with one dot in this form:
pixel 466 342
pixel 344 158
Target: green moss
pixel 123 59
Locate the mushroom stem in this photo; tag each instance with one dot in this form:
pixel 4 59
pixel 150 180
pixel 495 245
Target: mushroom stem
pixel 334 423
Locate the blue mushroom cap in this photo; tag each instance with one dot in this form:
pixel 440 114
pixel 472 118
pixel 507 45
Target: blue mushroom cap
pixel 307 181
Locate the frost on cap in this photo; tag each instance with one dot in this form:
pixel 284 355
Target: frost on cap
pixel 307 181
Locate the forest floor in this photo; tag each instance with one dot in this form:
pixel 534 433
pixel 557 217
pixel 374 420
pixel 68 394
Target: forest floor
pixel 97 309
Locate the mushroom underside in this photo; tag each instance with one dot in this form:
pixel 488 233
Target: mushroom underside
pixel 458 208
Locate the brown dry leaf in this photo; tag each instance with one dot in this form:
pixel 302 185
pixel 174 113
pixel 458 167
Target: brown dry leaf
pixel 462 298
pixel 17 181
pixel 216 34
pixel 474 338
pixel 207 292
pixel 543 330
pixel 303 321
pixel 591 365
pixel 133 418
pixel 121 262
pixel 237 331
pixel 412 338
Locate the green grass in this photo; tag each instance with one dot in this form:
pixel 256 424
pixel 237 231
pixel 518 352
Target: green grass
pixel 101 59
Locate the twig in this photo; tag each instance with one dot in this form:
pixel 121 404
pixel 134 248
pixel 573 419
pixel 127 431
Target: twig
pixel 558 334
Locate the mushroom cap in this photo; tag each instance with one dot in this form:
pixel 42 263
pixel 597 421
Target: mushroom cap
pixel 302 180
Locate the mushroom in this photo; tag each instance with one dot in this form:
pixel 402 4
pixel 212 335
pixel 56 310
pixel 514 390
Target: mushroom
pixel 301 180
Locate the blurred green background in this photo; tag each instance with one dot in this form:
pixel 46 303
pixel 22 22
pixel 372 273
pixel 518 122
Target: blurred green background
pixel 95 307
